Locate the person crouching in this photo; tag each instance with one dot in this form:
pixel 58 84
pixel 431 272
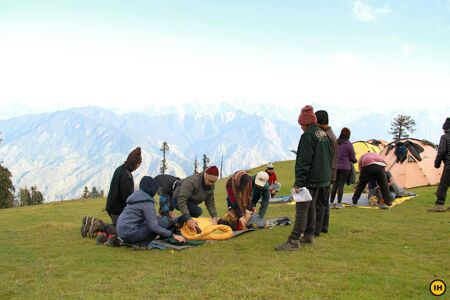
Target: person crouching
pixel 138 223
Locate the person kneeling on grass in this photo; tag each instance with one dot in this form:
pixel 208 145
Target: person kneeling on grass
pixel 240 208
pixel 194 190
pixel 138 223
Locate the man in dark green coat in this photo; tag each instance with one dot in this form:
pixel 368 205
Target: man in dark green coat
pixel 312 172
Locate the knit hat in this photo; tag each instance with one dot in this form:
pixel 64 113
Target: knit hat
pixel 134 159
pixel 149 185
pixel 345 133
pixel 446 125
pixel 261 178
pixel 212 174
pixel 307 116
pixel 322 117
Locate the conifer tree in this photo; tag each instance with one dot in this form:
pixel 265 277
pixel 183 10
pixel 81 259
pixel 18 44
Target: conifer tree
pixel 164 165
pixel 36 196
pixel 400 127
pixel 25 196
pixel 94 193
pixel 195 165
pixel 85 192
pixel 6 188
pixel 205 162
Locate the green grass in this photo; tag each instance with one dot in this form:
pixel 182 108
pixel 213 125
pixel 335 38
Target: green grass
pixel 368 254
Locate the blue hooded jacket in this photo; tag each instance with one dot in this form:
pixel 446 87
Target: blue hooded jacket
pixel 140 211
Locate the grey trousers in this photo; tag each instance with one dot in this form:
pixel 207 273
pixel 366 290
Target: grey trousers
pixel 305 217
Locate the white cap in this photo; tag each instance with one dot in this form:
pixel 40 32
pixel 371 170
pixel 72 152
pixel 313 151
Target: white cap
pixel 261 178
pixel 269 166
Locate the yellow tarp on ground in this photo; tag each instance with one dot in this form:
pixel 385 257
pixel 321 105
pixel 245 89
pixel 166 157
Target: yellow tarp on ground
pixel 208 231
pixel 363 203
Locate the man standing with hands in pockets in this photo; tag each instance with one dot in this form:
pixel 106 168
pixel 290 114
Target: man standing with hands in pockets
pixel 313 172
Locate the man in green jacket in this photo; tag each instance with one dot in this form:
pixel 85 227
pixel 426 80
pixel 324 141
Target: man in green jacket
pixel 312 172
pixel 192 191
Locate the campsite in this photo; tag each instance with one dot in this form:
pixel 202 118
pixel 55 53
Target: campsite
pixel 368 254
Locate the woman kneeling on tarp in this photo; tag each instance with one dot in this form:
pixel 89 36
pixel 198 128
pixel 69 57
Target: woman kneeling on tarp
pixel 138 222
pixel 240 208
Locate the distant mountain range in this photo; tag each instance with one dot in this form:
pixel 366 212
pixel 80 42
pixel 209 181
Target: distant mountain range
pixel 63 151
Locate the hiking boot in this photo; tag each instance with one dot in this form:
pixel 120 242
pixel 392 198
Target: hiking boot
pixel 306 240
pixel 101 238
pixel 139 246
pixel 333 205
pixel 437 208
pixel 289 245
pixel 112 241
pixel 85 225
pixel 383 206
pixel 95 225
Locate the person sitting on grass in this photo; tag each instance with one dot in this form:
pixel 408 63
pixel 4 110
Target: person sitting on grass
pixel 138 223
pixel 240 207
pixel 274 185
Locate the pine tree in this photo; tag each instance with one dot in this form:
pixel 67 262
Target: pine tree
pixel 85 192
pixel 205 162
pixel 6 188
pixel 36 196
pixel 195 165
pixel 94 193
pixel 164 165
pixel 25 197
pixel 400 127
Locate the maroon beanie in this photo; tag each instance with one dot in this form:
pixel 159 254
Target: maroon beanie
pixel 307 116
pixel 212 173
pixel 345 133
pixel 134 159
pixel 446 125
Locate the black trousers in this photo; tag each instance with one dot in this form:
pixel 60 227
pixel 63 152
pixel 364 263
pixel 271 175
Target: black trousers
pixel 378 173
pixel 305 217
pixel 442 189
pixel 338 185
pixel 322 210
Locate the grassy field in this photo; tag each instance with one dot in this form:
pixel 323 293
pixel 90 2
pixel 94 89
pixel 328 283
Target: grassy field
pixel 368 254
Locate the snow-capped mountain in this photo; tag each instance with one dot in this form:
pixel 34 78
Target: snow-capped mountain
pixel 63 151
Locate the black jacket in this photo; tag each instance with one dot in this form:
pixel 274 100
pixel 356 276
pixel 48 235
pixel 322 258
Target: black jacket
pixel 166 182
pixel 443 153
pixel 122 186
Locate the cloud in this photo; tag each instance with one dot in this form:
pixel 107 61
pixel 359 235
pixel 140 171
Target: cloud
pixel 365 13
pixel 407 49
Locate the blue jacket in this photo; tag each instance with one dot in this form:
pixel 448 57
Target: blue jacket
pixel 140 211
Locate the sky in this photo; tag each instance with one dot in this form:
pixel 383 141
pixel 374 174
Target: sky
pixel 126 55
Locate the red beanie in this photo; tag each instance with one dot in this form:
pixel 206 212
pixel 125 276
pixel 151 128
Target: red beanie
pixel 212 173
pixel 307 116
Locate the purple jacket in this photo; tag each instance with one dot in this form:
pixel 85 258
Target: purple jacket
pixel 345 156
